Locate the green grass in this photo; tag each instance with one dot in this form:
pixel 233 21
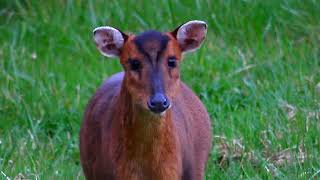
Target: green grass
pixel 259 65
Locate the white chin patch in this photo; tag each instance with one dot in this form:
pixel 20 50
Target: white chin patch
pixel 163 113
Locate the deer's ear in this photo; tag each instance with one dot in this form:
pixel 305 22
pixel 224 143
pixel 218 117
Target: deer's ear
pixel 109 40
pixel 190 35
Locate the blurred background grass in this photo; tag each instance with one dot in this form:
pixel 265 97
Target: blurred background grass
pixel 257 74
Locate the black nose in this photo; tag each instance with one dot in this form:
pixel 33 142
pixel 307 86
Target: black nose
pixel 158 103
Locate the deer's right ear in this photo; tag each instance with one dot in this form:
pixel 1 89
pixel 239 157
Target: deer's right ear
pixel 109 40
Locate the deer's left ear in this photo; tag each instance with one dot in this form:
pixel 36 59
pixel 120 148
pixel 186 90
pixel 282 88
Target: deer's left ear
pixel 190 35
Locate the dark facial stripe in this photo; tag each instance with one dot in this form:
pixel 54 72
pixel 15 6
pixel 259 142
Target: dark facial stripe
pixel 156 81
pixel 152 44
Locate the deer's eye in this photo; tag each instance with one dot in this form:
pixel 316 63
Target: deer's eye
pixel 135 65
pixel 172 62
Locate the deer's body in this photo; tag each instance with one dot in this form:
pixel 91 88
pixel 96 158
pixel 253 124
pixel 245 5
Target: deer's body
pixel 120 139
pixel 118 144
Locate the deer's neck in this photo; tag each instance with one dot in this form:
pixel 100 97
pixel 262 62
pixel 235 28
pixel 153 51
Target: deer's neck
pixel 148 143
pixel 139 125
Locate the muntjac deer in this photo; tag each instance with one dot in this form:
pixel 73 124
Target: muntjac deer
pixel 145 123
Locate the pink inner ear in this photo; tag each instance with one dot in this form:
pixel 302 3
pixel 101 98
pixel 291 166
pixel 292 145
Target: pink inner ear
pixel 197 31
pixel 191 35
pixel 111 46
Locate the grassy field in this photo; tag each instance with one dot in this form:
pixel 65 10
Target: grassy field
pixel 258 73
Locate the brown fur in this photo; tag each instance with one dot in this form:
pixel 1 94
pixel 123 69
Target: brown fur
pixel 121 140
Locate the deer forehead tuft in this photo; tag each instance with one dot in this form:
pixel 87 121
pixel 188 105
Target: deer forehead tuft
pixel 151 42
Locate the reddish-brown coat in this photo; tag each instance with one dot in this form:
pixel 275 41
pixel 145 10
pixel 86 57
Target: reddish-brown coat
pixel 120 140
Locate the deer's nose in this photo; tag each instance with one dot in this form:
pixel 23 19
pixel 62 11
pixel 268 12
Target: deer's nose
pixel 158 103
